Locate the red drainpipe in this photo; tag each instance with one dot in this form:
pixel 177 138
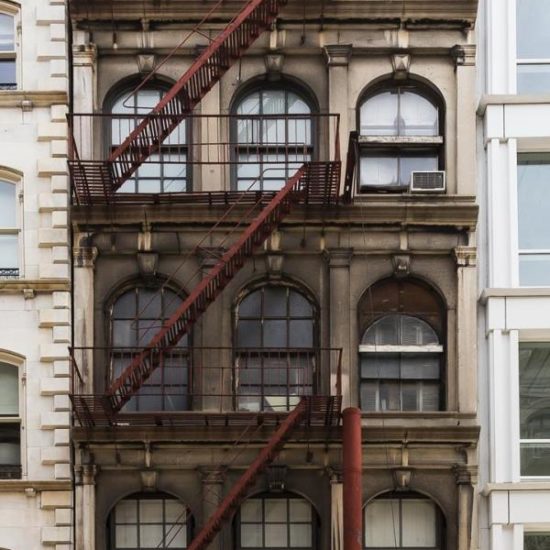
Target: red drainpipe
pixel 353 500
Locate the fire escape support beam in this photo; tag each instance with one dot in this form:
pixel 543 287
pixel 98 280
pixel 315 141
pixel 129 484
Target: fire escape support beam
pixel 353 462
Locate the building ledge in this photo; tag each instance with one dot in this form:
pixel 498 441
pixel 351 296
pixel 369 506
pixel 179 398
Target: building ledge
pixel 22 98
pixel 518 486
pixel 36 285
pixel 511 99
pixel 22 485
pixel 524 292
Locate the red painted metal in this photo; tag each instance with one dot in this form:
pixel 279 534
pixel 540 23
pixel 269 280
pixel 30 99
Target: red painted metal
pixel 353 524
pixel 300 188
pixel 238 492
pixel 188 91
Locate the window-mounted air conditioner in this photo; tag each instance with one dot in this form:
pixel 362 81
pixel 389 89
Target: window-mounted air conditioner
pixel 427 182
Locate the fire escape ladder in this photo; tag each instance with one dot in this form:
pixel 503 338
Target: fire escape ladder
pixel 236 495
pixel 188 91
pixel 297 189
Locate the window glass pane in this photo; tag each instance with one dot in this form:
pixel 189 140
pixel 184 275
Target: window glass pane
pixel 430 397
pixel 126 536
pixel 534 269
pixel 378 171
pixel 300 510
pixel 534 390
pixel 536 541
pixel 251 305
pixel 151 536
pixel 7 74
pixel 249 334
pixel 147 99
pixel 250 105
pixel 385 331
pixel 126 511
pixel 296 105
pixel 8 251
pixel 300 334
pixel 275 334
pixel 535 459
pixel 418 116
pixel 149 304
pixel 276 535
pixel 9 390
pixel 150 511
pixel 382 524
pixel 369 396
pixel 275 510
pixel 251 535
pixel 410 396
pixel 379 115
pixel 125 333
pixel 300 536
pixel 275 301
pixel 251 510
pixel 299 305
pixel 380 365
pixel 7 205
pixel 390 396
pixel 419 523
pixel 411 164
pixel 7 33
pixel 273 102
pixel 10 453
pixel 176 536
pixel 533 79
pixel 416 332
pixel 420 366
pixel 125 306
pixel 533 22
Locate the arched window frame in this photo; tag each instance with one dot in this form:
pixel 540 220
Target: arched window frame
pixel 182 524
pixel 393 530
pixel 173 170
pixel 120 356
pixel 291 153
pixel 398 379
pixel 9 51
pixel 274 377
pixel 401 153
pixel 11 247
pixel 284 523
pixel 11 422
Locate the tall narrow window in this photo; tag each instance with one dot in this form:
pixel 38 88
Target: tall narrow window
pixel 401 522
pixel 164 171
pixel 401 354
pixel 275 353
pixel 148 521
pixel 536 541
pixel 276 522
pixel 534 398
pixel 400 133
pixel 274 138
pixel 136 316
pixel 8 76
pixel 10 422
pixel 9 231
pixel 533 46
pixel 533 214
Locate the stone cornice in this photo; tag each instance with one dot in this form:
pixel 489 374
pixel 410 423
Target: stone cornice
pixel 511 99
pixel 532 292
pixel 21 98
pixel 36 285
pixel 521 486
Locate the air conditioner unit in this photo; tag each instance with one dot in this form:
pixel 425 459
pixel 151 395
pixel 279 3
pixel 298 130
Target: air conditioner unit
pixel 427 182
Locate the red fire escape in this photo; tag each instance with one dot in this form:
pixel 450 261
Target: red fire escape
pixel 314 183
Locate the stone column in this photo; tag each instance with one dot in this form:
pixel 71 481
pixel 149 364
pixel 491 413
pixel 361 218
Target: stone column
pixel 212 493
pixel 336 510
pixel 465 58
pixel 337 57
pixel 83 288
pixel 466 520
pixel 84 71
pixel 466 321
pixel 339 261
pixel 85 481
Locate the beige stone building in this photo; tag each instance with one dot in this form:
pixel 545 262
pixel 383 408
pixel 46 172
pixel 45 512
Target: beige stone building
pixel 35 472
pixel 197 330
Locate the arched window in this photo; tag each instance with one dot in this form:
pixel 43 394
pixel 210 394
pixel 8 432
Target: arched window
pixel 401 352
pixel 401 521
pixel 9 229
pixel 401 131
pixel 164 171
pixel 148 521
pixel 8 52
pixel 10 428
pixel 277 521
pixel 135 317
pixel 274 137
pixel 275 348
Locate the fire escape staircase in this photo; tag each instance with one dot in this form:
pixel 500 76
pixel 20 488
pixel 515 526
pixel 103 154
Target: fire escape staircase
pixel 181 99
pixel 238 492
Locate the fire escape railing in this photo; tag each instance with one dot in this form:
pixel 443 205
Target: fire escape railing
pixel 230 153
pixel 207 380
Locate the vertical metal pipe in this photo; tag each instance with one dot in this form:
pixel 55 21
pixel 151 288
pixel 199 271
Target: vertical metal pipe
pixel 352 479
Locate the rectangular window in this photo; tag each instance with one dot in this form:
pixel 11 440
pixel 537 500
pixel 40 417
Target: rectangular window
pixel 8 55
pixel 533 46
pixel 9 231
pixel 10 429
pixel 533 215
pixel 534 398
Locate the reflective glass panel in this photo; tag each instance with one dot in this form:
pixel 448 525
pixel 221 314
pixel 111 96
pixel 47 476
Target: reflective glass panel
pixel 533 78
pixel 379 115
pixel 418 116
pixel 8 205
pixel 533 22
pixel 7 33
pixel 7 74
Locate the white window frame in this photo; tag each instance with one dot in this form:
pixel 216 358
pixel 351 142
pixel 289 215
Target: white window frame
pixel 15 179
pixel 7 8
